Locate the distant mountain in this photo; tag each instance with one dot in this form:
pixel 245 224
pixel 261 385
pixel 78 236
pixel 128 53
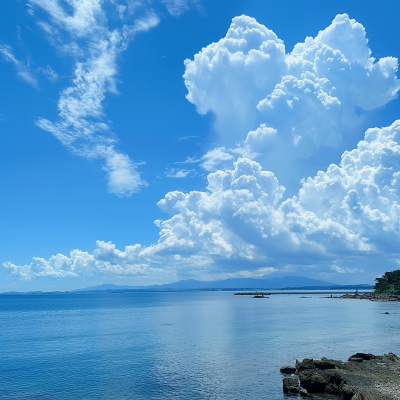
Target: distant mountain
pixel 107 286
pixel 234 283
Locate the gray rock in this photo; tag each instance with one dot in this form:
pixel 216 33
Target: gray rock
pixel 291 385
pixel 287 370
pixel 318 382
pixel 364 356
pixel 331 388
pixel 364 377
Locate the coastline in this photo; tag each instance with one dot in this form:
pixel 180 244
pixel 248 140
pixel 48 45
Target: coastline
pixel 363 377
pixel 371 297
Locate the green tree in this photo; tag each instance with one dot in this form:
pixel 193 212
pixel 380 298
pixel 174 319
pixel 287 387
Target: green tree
pixel 388 283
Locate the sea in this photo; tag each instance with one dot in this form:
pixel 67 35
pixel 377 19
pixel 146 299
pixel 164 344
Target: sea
pixel 178 345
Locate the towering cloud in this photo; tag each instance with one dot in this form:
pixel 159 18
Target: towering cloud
pixel 339 221
pixel 285 109
pixel 314 98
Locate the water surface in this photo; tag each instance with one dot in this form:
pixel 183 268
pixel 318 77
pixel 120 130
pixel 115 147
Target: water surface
pixel 186 345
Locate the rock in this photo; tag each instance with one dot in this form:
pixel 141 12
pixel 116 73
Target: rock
pixel 287 370
pixel 364 356
pixel 347 392
pixel 306 364
pixel 318 382
pixel 364 377
pixel 331 388
pixel 291 385
pixel 325 363
pixel 303 392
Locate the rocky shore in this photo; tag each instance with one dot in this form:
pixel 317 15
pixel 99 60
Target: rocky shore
pixel 362 377
pixel 370 296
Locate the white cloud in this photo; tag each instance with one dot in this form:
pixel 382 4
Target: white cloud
pixel 179 172
pixel 333 72
pixel 23 69
pixel 105 260
pixel 346 270
pixel 231 76
pixel 177 7
pixel 81 125
pixel 344 219
pixel 188 137
pixel 49 73
pixel 314 98
pixel 340 220
pixel 123 177
pixel 215 157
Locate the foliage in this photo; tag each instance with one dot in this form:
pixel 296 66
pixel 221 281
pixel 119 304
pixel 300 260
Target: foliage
pixel 388 283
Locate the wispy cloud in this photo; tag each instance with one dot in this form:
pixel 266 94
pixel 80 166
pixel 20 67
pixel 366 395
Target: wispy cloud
pixel 23 69
pixel 188 137
pixel 212 158
pixel 179 172
pixel 177 7
pixel 81 126
pixel 49 73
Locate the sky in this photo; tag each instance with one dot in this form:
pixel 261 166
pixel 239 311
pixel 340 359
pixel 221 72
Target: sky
pixel 146 142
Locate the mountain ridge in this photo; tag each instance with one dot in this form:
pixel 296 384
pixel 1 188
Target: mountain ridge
pixel 231 283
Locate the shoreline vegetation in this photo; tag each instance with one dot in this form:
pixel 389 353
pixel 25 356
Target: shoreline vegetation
pixel 363 377
pixel 387 288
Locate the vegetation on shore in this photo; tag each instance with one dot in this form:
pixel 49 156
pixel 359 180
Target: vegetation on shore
pixel 388 283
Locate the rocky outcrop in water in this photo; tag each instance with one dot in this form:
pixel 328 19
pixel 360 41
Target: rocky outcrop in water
pixel 362 377
pixel 371 296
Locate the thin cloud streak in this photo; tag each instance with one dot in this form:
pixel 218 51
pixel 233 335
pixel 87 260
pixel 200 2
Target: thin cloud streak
pixel 23 70
pixel 81 127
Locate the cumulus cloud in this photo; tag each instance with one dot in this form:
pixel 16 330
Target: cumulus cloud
pixel 81 126
pixel 105 260
pixel 249 70
pixel 340 219
pixel 314 98
pixel 23 69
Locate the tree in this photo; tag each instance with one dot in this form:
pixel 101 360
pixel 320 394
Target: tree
pixel 388 283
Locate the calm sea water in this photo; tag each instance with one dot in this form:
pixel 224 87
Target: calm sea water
pixel 186 345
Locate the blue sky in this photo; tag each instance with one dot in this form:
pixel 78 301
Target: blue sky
pixel 98 125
